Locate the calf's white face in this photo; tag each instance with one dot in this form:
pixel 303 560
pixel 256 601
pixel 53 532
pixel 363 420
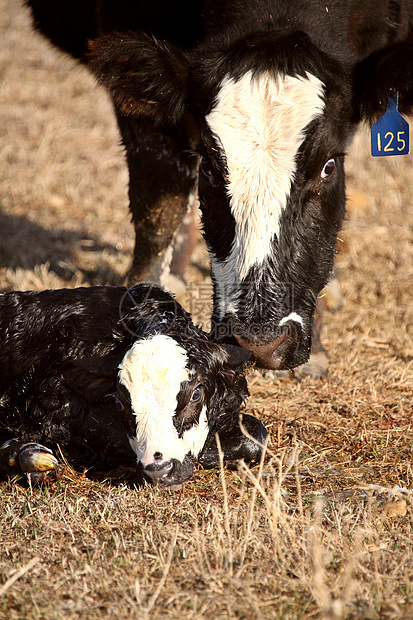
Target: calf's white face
pixel 259 122
pixel 153 371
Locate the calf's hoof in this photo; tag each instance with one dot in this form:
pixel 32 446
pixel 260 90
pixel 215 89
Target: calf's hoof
pixel 29 458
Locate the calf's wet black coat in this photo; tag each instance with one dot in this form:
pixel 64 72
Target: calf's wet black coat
pixel 59 381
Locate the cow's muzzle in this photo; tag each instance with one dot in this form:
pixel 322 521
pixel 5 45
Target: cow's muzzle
pixel 286 350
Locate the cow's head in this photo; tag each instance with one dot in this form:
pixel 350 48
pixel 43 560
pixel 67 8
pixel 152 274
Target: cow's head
pixel 270 116
pixel 170 391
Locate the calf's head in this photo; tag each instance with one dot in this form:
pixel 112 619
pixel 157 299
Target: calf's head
pixel 170 391
pixel 270 116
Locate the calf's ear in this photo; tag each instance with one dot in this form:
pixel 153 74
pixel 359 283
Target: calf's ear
pixel 92 377
pixel 237 356
pixel 380 76
pixel 144 76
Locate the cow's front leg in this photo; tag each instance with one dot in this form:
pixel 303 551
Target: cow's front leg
pixel 235 445
pixel 162 184
pixel 22 457
pixel 331 298
pixel 317 365
pixel 332 295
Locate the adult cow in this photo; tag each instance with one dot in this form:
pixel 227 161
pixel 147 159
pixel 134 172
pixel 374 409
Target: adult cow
pixel 268 95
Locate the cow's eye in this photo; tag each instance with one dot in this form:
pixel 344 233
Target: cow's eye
pixel 328 169
pixel 206 168
pixel 196 394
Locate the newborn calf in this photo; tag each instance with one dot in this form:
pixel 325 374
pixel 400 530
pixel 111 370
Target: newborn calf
pixel 117 377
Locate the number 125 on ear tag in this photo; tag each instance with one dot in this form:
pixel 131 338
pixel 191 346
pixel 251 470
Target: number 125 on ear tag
pixel 390 135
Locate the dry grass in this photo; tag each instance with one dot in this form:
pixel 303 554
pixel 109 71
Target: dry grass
pixel 324 527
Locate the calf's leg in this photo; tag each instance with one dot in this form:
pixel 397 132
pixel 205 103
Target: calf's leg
pixel 22 457
pixel 235 445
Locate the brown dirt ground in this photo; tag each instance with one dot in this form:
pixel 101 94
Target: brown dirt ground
pixel 324 527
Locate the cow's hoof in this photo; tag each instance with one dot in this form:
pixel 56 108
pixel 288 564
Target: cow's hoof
pixel 271 374
pixel 316 368
pixel 30 458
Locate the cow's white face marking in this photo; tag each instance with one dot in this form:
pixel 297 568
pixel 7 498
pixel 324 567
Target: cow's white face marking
pixel 293 316
pixel 152 371
pixel 260 124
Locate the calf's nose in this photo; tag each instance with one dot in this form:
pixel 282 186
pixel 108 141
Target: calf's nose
pixel 277 354
pixel 156 473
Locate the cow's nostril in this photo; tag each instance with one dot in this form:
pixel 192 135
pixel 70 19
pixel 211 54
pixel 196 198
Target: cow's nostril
pixel 158 456
pixel 276 354
pixel 284 353
pixel 264 352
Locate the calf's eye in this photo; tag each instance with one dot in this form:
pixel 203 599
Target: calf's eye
pixel 328 169
pixel 196 394
pixel 205 166
pixel 119 404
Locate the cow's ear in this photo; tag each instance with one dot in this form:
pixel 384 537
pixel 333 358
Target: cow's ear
pixel 373 25
pixel 144 76
pixel 92 377
pixel 380 76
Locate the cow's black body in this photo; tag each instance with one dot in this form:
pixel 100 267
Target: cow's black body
pixel 165 71
pixel 59 365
